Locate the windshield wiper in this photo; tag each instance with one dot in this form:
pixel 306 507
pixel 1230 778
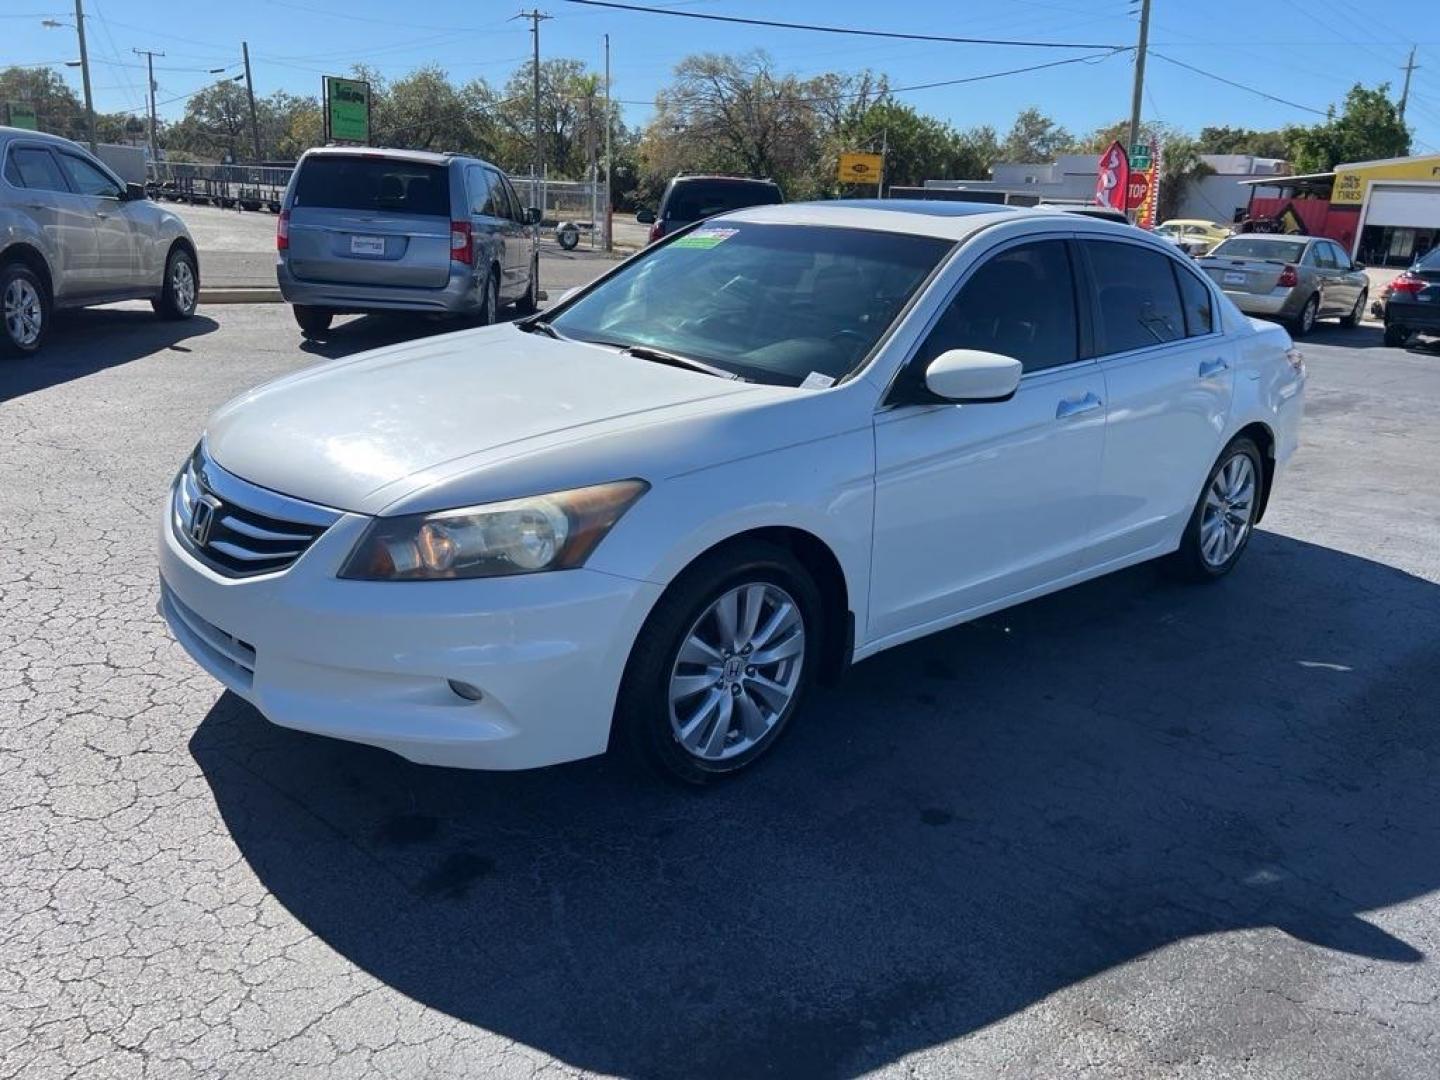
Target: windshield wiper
pixel 660 356
pixel 533 326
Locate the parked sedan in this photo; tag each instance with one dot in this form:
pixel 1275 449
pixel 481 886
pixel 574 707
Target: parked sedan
pixel 403 230
pixel 1191 235
pixel 72 234
pixel 1412 301
pixel 767 447
pixel 1295 279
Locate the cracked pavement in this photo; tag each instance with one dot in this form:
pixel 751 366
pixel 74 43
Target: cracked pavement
pixel 1134 830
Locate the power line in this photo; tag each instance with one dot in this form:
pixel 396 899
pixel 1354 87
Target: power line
pixel 1237 85
pixel 855 31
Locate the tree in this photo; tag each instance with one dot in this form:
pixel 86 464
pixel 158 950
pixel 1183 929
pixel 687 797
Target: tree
pixel 1239 140
pixel 1367 127
pixel 1180 167
pixel 1034 137
pixel 216 123
pixel 425 111
pixel 57 109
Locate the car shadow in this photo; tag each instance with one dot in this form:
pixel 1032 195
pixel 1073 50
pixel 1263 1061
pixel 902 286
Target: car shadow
pixel 1364 336
pixel 963 827
pixel 353 334
pixel 88 340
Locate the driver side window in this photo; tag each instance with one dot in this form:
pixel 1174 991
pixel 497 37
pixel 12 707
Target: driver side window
pixel 1019 303
pixel 86 179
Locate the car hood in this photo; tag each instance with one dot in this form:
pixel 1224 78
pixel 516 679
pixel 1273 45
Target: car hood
pixel 363 433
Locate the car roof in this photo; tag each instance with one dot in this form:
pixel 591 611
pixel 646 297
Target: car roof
pixel 429 157
pixel 1276 237
pixel 919 217
pixel 37 136
pixel 686 178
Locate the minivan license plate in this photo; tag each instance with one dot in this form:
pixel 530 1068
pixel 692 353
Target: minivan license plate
pixel 367 245
pixel 1234 277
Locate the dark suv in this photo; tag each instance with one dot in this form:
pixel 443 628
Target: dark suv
pixel 694 198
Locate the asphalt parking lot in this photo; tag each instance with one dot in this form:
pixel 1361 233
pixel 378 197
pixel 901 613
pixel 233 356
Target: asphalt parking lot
pixel 1136 829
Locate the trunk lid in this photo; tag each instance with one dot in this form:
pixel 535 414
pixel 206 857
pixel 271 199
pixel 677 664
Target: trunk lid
pixel 366 220
pixel 1243 275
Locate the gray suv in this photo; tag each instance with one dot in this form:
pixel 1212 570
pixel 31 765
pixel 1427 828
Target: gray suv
pixel 73 234
pixel 366 230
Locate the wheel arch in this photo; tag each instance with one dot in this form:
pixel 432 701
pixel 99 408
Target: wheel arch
pixel 32 257
pixel 185 244
pixel 1263 437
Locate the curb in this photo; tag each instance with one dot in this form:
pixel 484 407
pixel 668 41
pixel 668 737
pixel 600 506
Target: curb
pixel 240 294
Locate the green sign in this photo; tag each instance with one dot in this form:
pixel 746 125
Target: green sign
pixel 22 115
pixel 347 110
pixel 1140 155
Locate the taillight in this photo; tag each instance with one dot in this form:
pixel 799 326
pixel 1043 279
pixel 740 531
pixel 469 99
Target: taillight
pixel 1288 278
pixel 462 242
pixel 655 233
pixel 1409 284
pixel 282 231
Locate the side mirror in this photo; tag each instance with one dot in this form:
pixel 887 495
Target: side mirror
pixel 1357 266
pixel 532 215
pixel 645 217
pixel 134 192
pixel 971 376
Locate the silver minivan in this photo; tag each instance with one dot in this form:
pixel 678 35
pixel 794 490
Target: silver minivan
pixel 365 230
pixel 72 234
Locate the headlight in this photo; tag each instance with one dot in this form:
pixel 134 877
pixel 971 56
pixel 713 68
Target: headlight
pixel 522 536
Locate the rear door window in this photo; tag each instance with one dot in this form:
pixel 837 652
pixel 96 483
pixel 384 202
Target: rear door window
pixel 517 208
pixel 479 190
pixel 378 185
pixel 1199 307
pixel 36 169
pixel 1137 298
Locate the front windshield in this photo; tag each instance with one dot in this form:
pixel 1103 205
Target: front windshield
pixel 1249 247
pixel 770 303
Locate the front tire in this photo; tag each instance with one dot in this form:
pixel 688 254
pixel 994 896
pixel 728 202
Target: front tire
pixel 1357 313
pixel 313 321
pixel 722 664
pixel 181 291
pixel 1224 516
pixel 24 310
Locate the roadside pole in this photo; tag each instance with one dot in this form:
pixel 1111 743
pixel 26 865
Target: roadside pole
pixel 150 55
pixel 250 92
pixel 85 74
pixel 1139 89
pixel 609 197
pixel 537 162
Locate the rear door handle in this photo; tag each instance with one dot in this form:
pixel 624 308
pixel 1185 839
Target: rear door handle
pixel 1075 406
pixel 101 214
pixel 1213 367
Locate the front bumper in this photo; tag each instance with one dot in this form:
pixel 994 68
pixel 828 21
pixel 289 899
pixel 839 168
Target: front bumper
pixel 370 662
pixel 461 295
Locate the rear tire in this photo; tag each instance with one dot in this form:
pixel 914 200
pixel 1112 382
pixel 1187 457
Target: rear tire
pixel 489 312
pixel 1221 524
pixel 1305 321
pixel 1357 312
pixel 313 321
pixel 181 291
pixel 1396 336
pixel 755 701
pixel 24 310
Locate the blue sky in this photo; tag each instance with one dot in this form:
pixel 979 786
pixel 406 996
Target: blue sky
pixel 1306 51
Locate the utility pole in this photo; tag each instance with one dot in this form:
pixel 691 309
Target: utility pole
pixel 150 55
pixel 884 152
pixel 538 160
pixel 85 74
pixel 609 196
pixel 250 92
pixel 1139 81
pixel 1409 69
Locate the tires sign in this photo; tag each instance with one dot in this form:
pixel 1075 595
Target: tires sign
pixel 860 168
pixel 347 110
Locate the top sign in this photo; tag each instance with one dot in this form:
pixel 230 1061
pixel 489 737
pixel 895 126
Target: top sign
pixel 22 115
pixel 347 109
pixel 860 168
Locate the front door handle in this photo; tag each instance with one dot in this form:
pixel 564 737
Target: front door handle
pixel 1075 406
pixel 101 214
pixel 1213 367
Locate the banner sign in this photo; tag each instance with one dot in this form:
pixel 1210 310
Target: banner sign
pixel 1146 205
pixel 1112 178
pixel 347 110
pixel 21 115
pixel 860 168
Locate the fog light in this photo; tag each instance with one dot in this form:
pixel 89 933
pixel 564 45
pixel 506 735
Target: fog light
pixel 465 690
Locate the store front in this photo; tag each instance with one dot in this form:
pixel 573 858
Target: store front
pixel 1401 222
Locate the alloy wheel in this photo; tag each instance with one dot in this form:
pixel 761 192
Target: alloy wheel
pixel 24 315
pixel 1229 511
pixel 1307 315
pixel 182 285
pixel 737 671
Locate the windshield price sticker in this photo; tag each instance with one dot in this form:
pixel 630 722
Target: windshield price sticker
pixel 817 381
pixel 704 238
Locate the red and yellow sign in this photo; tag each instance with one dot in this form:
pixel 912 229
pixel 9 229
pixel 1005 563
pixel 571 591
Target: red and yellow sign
pixel 1145 206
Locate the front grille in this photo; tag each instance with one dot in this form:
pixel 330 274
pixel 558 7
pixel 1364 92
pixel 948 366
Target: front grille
pixel 237 528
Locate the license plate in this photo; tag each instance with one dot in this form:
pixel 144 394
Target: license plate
pixel 1234 277
pixel 367 245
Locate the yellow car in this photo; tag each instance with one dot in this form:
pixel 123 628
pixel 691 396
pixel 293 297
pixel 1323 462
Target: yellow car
pixel 1192 235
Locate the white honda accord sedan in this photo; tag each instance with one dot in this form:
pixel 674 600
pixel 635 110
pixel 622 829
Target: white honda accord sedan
pixel 769 446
